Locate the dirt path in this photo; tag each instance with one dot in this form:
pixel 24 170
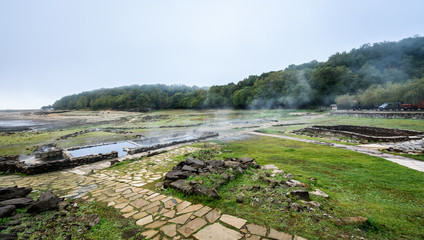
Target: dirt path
pixel 404 161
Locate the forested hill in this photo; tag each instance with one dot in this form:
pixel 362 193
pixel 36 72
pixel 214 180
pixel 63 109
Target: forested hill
pixel 307 85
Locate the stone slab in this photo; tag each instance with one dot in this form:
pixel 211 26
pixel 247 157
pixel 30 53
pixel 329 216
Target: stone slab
pixel 233 221
pixel 145 220
pixel 213 215
pixel 217 232
pixel 169 230
pixel 181 219
pixel 256 229
pixel 192 227
pixel 274 234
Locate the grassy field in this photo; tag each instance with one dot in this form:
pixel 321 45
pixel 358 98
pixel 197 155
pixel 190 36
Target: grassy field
pixel 389 195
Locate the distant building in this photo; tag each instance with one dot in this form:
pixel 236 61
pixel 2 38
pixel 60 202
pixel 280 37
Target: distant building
pixel 333 107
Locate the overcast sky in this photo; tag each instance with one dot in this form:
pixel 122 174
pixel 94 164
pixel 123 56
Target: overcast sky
pixel 49 49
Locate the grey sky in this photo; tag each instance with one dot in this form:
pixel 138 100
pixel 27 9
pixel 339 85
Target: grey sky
pixel 49 49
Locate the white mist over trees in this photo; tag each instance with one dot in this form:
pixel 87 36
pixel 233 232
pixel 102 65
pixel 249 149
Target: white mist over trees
pixel 369 75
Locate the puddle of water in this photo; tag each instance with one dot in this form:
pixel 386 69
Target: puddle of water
pixel 18 123
pixel 148 142
pixel 118 147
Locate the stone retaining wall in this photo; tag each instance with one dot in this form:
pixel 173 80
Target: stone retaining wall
pixel 53 165
pixel 52 154
pixel 395 114
pixel 365 134
pixel 158 146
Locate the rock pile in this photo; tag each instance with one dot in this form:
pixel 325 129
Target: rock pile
pixel 13 198
pixel 227 169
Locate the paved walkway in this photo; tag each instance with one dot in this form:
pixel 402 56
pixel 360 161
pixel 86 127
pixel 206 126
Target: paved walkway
pixel 404 161
pixel 161 216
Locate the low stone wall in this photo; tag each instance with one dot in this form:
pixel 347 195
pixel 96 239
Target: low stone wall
pixel 363 133
pixel 14 166
pixel 52 154
pixel 372 114
pixel 158 146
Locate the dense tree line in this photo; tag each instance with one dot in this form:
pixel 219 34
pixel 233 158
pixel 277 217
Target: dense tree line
pixel 355 73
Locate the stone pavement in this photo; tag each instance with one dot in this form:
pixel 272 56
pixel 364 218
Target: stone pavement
pixel 161 216
pixel 404 161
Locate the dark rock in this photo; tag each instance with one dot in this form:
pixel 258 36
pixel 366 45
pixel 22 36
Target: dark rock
pixel 179 166
pixel 175 175
pixel 18 202
pixel 213 194
pixel 113 162
pixel 239 170
pixel 246 160
pixel 231 164
pixel 193 161
pixel 7 211
pixel 273 183
pixel 255 165
pixel 301 194
pixel 8 236
pixel 7 193
pixel 182 185
pixel 189 168
pixel 216 163
pixel 201 190
pixel 47 201
pixel 166 183
pixel 256 187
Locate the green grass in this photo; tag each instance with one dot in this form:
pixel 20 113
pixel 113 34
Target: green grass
pixel 389 195
pixel 52 225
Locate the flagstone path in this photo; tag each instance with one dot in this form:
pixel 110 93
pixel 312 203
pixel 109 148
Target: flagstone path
pixel 161 216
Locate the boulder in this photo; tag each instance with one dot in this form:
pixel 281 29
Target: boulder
pixel 301 194
pixel 183 186
pixel 246 160
pixel 293 183
pixel 47 201
pixel 189 168
pixel 319 193
pixel 7 211
pixel 193 161
pixel 311 204
pixel 201 190
pixel 231 164
pixel 7 193
pixel 216 163
pixel 213 193
pixel 175 175
pixel 17 202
